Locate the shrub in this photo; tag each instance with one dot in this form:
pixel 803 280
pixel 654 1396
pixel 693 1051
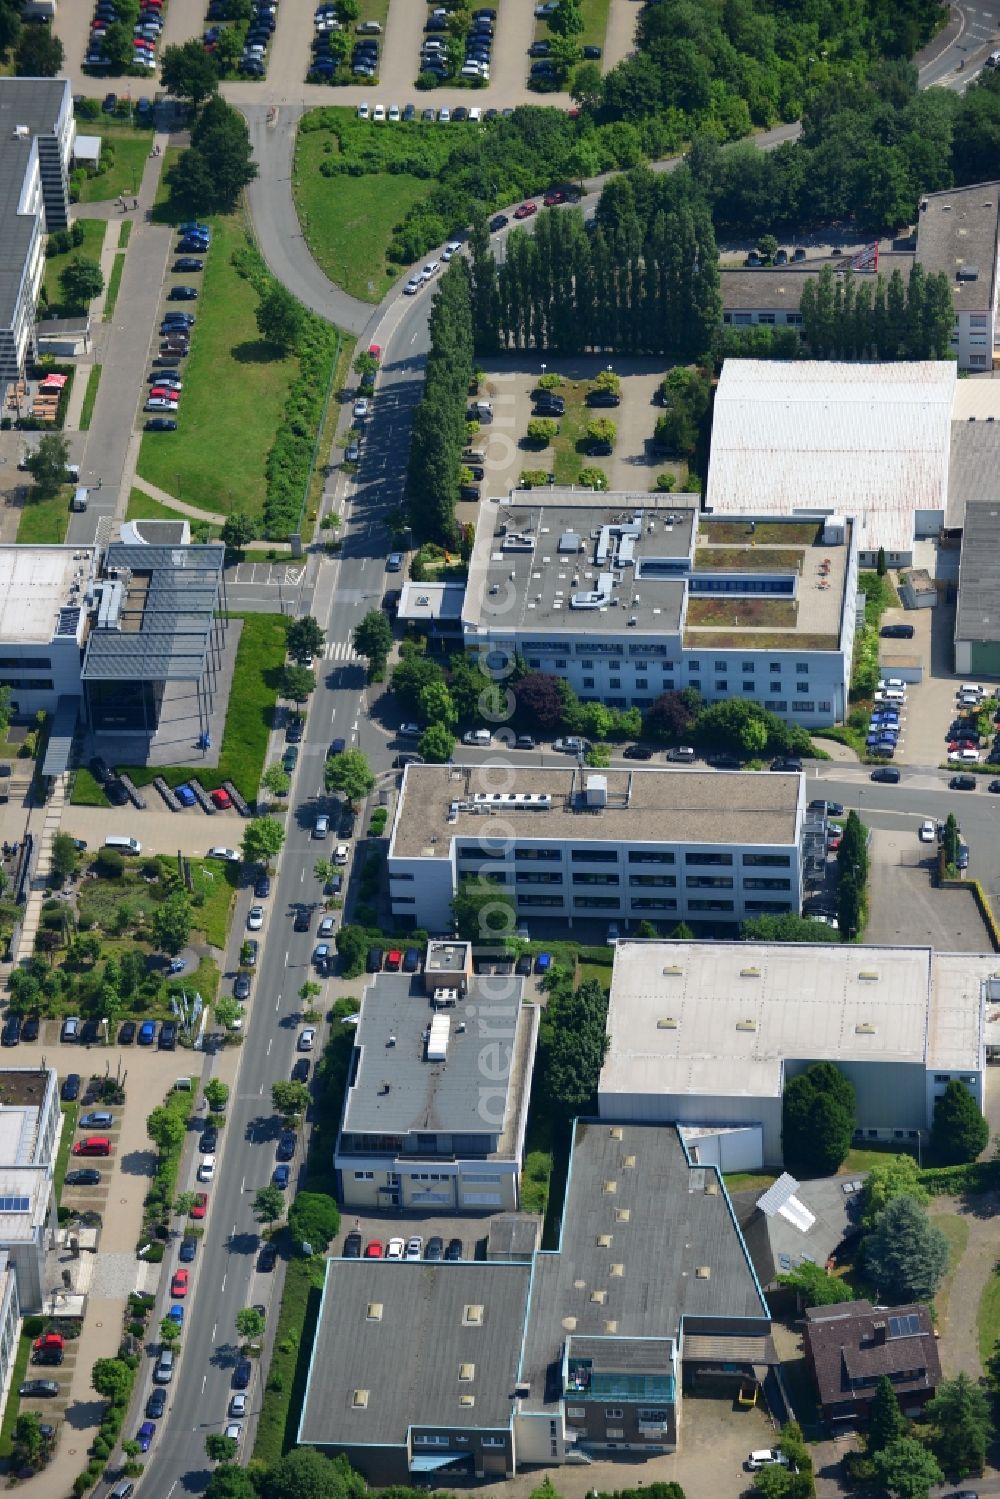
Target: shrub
pixel 110 864
pixel 541 430
pixel 533 478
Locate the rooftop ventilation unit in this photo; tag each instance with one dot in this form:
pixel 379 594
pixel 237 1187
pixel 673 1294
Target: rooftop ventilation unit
pixel 599 599
pixel 616 1132
pixel 667 1023
pixel 610 1188
pixel 672 970
pixel 869 975
pixel 617 1271
pixel 467 1400
pixel 569 541
pixel 622 1215
pixel 703 1272
pixel 472 1314
pixel 515 801
pixel 746 1025
pixel 864 1029
pixel 374 1313
pixel 466 1372
pixel 437 1041
pixel 595 791
pixel 967 273
pixel 598 1298
pixel 20 133
pixel 443 999
pixel 604 1241
pixel 749 973
pixel 628 1162
pixel 359 1400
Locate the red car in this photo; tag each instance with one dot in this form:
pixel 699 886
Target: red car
pixel 375 350
pixel 222 799
pixel 47 1342
pixel 166 392
pixel 179 1284
pixel 393 961
pixel 200 1205
pixel 551 199
pixel 373 1250
pixel 525 211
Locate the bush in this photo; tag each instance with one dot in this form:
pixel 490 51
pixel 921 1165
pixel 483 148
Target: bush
pixel 533 478
pixel 110 864
pixel 541 430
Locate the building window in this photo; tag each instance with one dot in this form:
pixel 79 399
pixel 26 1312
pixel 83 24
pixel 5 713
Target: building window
pixel 641 686
pixel 619 1431
pixel 653 881
pixel 561 665
pixel 774 666
pixel 614 1413
pixel 596 902
pixel 748 686
pixel 775 704
pixel 725 859
pixel 403 900
pixel 537 853
pixel 822 707
pixel 774 687
pixel 595 879
pixel 595 856
pixel 539 900
pixel 759 884
pixel 977 359
pixel 765 317
pixel 804 705
pixel 802 687
pixel 654 903
pixel 588 681
pixel 767 907
pixel 652 1415
pixel 576 1412
pixel 710 905
pixel 802 667
pixel 421 1440
pixel 709 882
pixel 494 1441
pixel 767 861
pixel 534 662
pixel 748 666
pixel 364 1176
pixel 694 664
pixel 615 682
pixel 641 856
pixel 586 665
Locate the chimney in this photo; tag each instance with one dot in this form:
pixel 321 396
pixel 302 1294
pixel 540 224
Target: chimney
pixel 878 1332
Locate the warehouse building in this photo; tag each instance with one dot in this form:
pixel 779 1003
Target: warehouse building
pixel 708 1034
pixel 478 1369
pixel 628 596
pixel 436 1107
pixel 869 441
pixel 611 846
pixel 959 233
pixel 977 618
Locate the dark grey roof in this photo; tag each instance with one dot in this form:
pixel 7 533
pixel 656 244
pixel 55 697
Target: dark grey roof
pixel 958 231
pixel 512 1235
pixel 773 288
pixel 978 616
pixel 409 1359
pixel 667 1222
pixel 973 467
pixel 55 326
pixel 397 1090
pixel 161 532
pixel 844 1340
pixel 170 595
pixel 36 103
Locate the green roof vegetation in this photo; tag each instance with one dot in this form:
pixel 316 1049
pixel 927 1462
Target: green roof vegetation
pixel 746 613
pixel 746 559
pixel 765 533
pixel 771 640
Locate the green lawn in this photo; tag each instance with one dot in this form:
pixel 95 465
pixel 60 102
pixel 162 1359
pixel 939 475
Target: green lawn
pixel 69 1113
pixel 217 883
pixel 572 425
pixel 18 1375
pixel 44 522
pixel 536 1174
pixel 259 660
pixel 748 1181
pixel 131 150
pixel 956 1230
pixel 988 1320
pixel 234 396
pixel 124 233
pixel 93 381
pixel 348 222
pixel 90 249
pixel 114 286
pixel 595 24
pixel 290 1360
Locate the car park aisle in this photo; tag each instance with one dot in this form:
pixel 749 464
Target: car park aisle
pixel 184 19
pixel 514 32
pixel 401 50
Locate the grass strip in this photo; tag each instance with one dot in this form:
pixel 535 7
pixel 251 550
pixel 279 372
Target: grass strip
pixel 69 1113
pixel 114 286
pixel 124 233
pixel 44 522
pixel 123 175
pixel 93 381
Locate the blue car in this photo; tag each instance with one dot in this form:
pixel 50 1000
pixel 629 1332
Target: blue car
pixel 147 1033
pixel 185 795
pixel 281 1177
pixel 176 1314
pixel 144 1436
pixel 543 962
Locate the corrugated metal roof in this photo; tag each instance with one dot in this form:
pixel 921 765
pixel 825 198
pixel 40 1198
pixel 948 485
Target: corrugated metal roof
pixel 868 440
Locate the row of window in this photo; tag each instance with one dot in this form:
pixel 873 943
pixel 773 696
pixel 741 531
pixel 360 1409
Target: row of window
pixel 474 860
pixel 694 667
pixel 641 903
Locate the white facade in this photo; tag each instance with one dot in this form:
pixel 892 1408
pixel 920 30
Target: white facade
pixel 10 1327
pixel 709 1034
pixel 659 846
pixel 43 623
pixel 30 1126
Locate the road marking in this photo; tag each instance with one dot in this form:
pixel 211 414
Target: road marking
pixel 302 878
pixel 286 959
pixel 269 1048
pixel 214 1330
pixel 204 1381
pixel 243 1185
pixel 224 1277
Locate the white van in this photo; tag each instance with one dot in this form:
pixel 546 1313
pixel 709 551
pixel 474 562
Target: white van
pixel 80 498
pixel 122 844
pixel 891 695
pixel 969 689
pixel 480 737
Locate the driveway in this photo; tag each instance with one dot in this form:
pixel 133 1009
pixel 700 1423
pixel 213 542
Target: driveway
pixel 906 909
pixel 158 830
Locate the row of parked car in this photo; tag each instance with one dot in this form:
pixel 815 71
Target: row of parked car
pixel 437 57
pixel 164 379
pixel 145 34
pixel 397 1248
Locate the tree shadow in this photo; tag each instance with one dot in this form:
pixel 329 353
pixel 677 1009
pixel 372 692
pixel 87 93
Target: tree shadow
pixel 257 351
pixel 138 1163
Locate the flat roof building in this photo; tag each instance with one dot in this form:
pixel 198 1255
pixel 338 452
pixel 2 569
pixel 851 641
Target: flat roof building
pixel 627 596
pixel 709 1033
pixel 37 131
pixel 959 233
pixel 870 441
pixel 617 845
pixel 977 618
pixel 436 1108
pixel 30 1126
pixel 481 1368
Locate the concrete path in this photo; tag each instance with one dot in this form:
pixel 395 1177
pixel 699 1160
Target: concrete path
pixel 959 1333
pixel 44 823
pixel 619 40
pixel 172 503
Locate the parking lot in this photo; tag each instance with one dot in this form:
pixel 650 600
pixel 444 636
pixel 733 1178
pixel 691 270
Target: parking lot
pixel 472 1229
pixel 907 909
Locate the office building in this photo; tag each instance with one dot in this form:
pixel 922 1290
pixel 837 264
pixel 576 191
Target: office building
pixel 436 1107
pixel 708 1034
pixel 958 232
pixel 30 1125
pixel 628 596
pixel 614 845
pixel 478 1369
pixel 10 1327
pixel 37 130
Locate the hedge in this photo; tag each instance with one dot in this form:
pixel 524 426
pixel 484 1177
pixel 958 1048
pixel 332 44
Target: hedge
pixel 954 1181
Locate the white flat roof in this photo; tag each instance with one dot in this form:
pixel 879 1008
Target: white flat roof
pixel 24 1202
pixel 868 440
pixel 721 1018
pixel 35 583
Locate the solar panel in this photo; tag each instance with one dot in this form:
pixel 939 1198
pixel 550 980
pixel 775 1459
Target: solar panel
pixel 777 1195
pixel 15 1204
pixel 904 1327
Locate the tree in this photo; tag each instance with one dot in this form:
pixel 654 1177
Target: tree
pixel 169 1331
pixel 587 86
pixel 276 780
pixel 960 1416
pixel 896 1176
pixel 817 1120
pixel 313 1219
pixel 216 1094
pixel 262 840
pixel 188 72
pixel 437 744
pixel 959 1133
pixel 81 281
pixel 815 1286
pixel 268 1204
pixel 231 1482
pixel 281 318
pixel 112 1378
pixel 483 911
pixel 541 700
pixel 541 430
pixel 905 1255
pixel 166 1128
pixel 373 640
pixel 220 1448
pixel 787 928
pixel 172 922
pixel 297 682
pixel 886 1422
pixel 227 1011
pixel 305 637
pixel 249 1323
pixel 573 1041
pixel 437 705
pixel 65 859
pixel 238 529
pixel 950 840
pixel 672 714
pixel 39 53
pixel 880 565
pixel 28 1438
pixel 352 946
pixel 737 723
pixel 306 1473
pixel 47 465
pixel 566 19
pixel 290 1099
pixel 222 142
pixel 907 1469
pixel 411 675
pixel 350 774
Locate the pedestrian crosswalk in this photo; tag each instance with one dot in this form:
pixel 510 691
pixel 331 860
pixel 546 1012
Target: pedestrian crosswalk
pixel 341 650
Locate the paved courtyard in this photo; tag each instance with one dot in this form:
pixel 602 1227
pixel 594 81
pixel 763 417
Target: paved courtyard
pixel 907 908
